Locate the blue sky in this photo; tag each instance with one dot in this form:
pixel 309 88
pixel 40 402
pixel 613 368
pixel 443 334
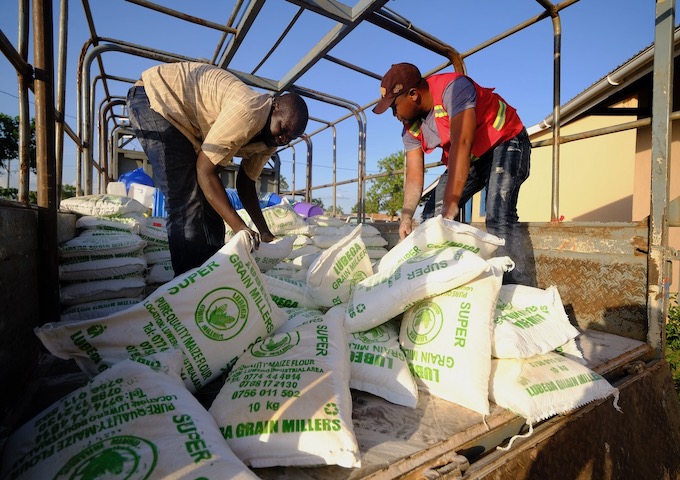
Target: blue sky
pixel 597 36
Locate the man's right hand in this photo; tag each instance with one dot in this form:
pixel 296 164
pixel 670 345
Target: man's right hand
pixel 405 227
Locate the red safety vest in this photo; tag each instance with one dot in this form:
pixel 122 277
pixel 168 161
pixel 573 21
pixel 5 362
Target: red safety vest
pixel 497 122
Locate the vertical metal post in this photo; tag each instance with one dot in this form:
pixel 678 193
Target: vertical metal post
pixel 43 87
pixel 24 111
pixel 61 92
pixel 658 266
pixel 557 72
pixel 308 187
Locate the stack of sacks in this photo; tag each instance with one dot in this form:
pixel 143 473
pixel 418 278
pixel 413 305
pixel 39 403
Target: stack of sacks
pixel 101 270
pixel 101 265
pixel 537 371
pixel 157 252
pixel 134 420
pixel 457 319
pixel 330 229
pixel 212 313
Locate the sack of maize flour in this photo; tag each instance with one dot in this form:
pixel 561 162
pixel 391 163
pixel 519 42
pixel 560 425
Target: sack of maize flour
pixel 124 286
pixel 377 363
pixel 96 309
pixel 102 204
pixel 529 321
pixel 288 293
pixel 109 223
pixel 287 400
pixel 270 254
pixel 281 218
pixel 388 293
pixel 212 312
pixel 99 268
pixel 94 246
pixel 299 316
pixel 333 275
pixel 438 232
pixel 447 339
pixel 135 420
pixel 541 386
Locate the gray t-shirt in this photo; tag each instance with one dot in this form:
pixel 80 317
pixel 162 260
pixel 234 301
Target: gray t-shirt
pixel 458 95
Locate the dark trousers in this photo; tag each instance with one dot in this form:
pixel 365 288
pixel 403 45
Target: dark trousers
pixel 195 230
pixel 502 171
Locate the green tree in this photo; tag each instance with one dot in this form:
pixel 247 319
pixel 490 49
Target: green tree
pixel 283 184
pixel 386 194
pixel 9 141
pixel 318 202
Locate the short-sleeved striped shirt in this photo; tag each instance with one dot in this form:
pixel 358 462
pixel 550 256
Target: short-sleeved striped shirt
pixel 214 109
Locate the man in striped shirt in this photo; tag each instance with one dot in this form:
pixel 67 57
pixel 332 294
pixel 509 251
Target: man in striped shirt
pixel 192 119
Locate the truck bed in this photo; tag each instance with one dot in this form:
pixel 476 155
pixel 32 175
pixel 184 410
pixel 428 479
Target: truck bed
pixel 393 439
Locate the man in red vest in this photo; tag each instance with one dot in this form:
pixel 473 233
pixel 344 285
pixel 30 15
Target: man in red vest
pixel 483 142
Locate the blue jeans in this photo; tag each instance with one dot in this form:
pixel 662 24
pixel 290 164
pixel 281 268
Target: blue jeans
pixel 502 171
pixel 195 230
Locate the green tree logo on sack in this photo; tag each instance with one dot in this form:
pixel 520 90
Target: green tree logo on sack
pixel 116 457
pixel 356 278
pixel 374 335
pixel 280 212
pixel 426 324
pixel 276 345
pixel 222 314
pixel 95 330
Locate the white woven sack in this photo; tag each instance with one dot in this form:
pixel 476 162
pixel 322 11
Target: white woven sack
pixel 529 321
pixel 437 232
pixel 386 294
pixel 572 351
pixel 161 272
pixel 539 387
pixel 301 240
pixel 157 254
pixel 326 241
pixel 447 339
pixel 89 245
pixel 302 251
pixel 330 231
pixel 374 240
pixel 153 234
pixel 307 230
pixel 303 262
pixel 211 312
pixel 338 269
pixel 377 363
pixel 102 204
pixel 90 291
pixel 270 254
pixel 136 420
pixel 376 253
pixel 289 293
pixel 325 221
pixel 293 387
pixel 281 218
pixel 108 223
pixel 96 268
pixel 299 316
pixel 96 309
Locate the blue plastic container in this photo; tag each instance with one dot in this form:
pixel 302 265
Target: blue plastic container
pixel 136 176
pixel 268 199
pixel 234 198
